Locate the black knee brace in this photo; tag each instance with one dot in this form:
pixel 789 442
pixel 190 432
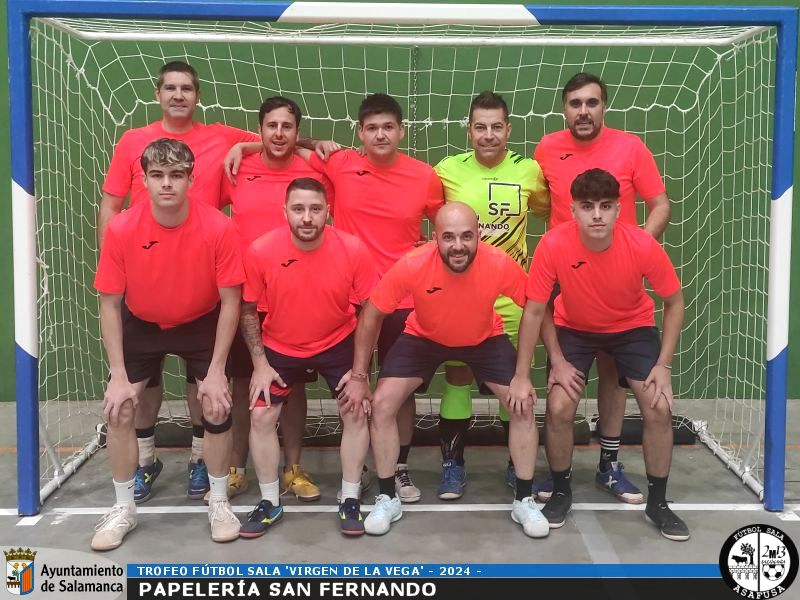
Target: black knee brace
pixel 221 428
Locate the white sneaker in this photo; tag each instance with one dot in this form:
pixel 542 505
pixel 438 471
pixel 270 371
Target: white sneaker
pixel 365 484
pixel 114 526
pixel 224 524
pixel 405 488
pixel 526 513
pixel 385 512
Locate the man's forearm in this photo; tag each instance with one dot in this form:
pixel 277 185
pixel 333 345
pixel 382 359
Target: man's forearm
pixel 672 323
pixel 226 328
pixel 550 337
pixel 528 336
pixel 658 216
pixel 251 332
pixel 369 326
pixel 111 330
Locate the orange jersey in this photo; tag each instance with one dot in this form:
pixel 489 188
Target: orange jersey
pixel 258 198
pixel 452 309
pixel 383 207
pixel 169 275
pixel 308 294
pixel 208 143
pixel 601 292
pixel 622 154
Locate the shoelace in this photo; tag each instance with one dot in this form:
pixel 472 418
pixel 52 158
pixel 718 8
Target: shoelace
pixel 117 512
pixel 351 509
pixel 382 505
pixel 450 475
pixel 405 478
pixel 197 473
pixel 220 511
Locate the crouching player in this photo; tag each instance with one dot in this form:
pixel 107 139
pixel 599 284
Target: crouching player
pixel 307 272
pixel 169 279
pixel 603 307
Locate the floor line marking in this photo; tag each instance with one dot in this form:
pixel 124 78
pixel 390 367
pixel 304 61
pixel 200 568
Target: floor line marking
pixel 579 506
pixel 29 521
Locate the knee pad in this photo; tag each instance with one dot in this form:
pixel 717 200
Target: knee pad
pixel 456 402
pixel 221 428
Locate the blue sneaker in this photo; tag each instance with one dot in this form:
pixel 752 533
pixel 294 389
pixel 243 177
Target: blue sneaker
pixel 454 480
pixel 198 479
pixel 261 518
pixel 351 521
pixel 616 483
pixel 144 479
pixel 541 491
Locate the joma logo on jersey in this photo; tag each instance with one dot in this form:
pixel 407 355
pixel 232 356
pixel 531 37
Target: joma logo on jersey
pixel 505 199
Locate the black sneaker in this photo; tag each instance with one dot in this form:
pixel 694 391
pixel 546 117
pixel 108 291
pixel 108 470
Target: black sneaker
pixel 556 509
pixel 261 518
pixel 671 525
pixel 351 521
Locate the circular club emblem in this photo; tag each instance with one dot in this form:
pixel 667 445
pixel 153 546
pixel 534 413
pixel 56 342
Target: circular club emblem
pixel 758 561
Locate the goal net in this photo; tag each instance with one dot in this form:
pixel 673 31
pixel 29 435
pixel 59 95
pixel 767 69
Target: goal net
pixel 700 97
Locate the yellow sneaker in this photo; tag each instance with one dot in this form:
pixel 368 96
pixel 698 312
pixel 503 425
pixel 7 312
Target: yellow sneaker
pixel 300 484
pixel 237 484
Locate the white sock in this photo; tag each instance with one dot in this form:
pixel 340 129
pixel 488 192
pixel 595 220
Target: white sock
pixel 124 492
pixel 219 487
pixel 147 450
pixel 351 490
pixel 271 491
pixel 197 449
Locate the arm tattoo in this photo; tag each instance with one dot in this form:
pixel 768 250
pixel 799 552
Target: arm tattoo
pixel 251 329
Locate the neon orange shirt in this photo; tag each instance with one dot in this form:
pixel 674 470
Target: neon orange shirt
pixel 622 154
pixel 308 294
pixel 208 143
pixel 383 207
pixel 601 292
pixel 452 309
pixel 169 275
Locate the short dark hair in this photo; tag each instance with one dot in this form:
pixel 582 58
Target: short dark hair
pixel 169 153
pixel 276 102
pixel 594 184
pixel 376 104
pixel 178 66
pixel 580 80
pixel 306 183
pixel 488 100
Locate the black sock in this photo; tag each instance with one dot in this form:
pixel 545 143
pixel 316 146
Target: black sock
pixel 609 447
pixel 656 490
pixel 404 450
pixel 561 481
pixel 523 488
pixel 452 434
pixel 386 486
pixel 198 431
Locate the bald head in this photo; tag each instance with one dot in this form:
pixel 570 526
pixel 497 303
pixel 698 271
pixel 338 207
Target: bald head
pixel 457 236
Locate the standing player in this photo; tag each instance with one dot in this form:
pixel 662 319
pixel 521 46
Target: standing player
pixel 603 307
pixel 587 143
pixel 169 279
pixel 257 202
pixel 382 198
pixel 177 91
pixel 306 275
pixel 454 283
pixel 500 186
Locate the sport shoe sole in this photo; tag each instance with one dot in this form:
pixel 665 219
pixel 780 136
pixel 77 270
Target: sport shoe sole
pixel 451 495
pixel 374 532
pixel 535 534
pixel 107 547
pixel 674 538
pixel 251 535
pixel 626 498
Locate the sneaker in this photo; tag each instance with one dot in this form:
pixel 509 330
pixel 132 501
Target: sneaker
pixel 237 484
pixel 350 519
pixel 114 526
pixel 454 480
pixel 556 509
pixel 261 518
pixel 224 524
pixel 615 482
pixel 405 488
pixel 198 479
pixel 671 525
pixel 297 481
pixel 530 517
pixel 366 483
pixel 144 479
pixel 541 491
pixel 385 512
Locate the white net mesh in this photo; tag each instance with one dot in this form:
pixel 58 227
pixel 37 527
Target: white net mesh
pixel 704 110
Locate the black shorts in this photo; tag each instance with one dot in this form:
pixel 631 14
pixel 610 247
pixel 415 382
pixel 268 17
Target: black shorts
pixel 493 360
pixel 145 345
pixel 635 351
pixel 332 364
pixel 393 326
pixel 239 360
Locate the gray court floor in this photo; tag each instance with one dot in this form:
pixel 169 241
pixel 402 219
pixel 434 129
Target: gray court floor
pixel 476 529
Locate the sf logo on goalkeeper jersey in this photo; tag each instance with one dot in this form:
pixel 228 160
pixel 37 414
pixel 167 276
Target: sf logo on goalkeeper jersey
pixel 758 561
pixel 505 199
